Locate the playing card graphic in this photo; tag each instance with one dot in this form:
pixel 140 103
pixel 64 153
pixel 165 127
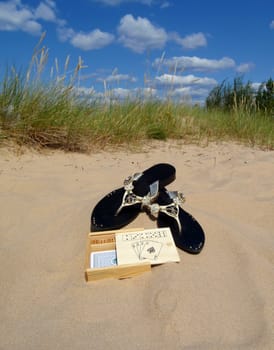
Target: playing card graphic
pixel 147 249
pixel 136 248
pixel 150 250
pixel 155 246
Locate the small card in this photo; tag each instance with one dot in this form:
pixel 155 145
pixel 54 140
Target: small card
pixel 105 258
pixel 156 246
pixel 151 250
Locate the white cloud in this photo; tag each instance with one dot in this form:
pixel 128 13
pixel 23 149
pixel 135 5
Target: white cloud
pixel 64 33
pixel 116 94
pixel 116 78
pixel 15 16
pixel 32 27
pixel 93 40
pixel 85 90
pixel 165 4
pixel 191 41
pixel 189 94
pixel 245 67
pixel 272 25
pixel 138 93
pixel 256 86
pixel 175 80
pixel 195 63
pixel 121 93
pixel 188 90
pixel 140 34
pixel 46 11
pixel 146 93
pixel 118 2
pixel 162 3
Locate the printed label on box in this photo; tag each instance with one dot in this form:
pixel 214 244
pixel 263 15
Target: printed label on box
pixel 156 245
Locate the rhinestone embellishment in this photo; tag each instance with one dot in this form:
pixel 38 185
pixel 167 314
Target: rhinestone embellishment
pixel 154 209
pixel 130 198
pixel 171 209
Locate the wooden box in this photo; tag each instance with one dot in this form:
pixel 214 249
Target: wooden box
pixel 105 241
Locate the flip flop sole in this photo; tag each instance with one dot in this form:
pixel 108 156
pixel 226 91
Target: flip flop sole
pixel 104 215
pixel 191 237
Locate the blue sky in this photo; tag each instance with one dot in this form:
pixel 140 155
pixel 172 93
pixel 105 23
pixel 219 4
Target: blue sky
pixel 146 47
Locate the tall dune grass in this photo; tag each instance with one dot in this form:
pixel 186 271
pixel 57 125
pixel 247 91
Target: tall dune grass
pixel 53 114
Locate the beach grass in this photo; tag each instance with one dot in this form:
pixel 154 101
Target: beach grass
pixel 53 114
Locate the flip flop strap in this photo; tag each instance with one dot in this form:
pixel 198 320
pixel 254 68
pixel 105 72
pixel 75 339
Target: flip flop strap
pixel 130 198
pixel 172 209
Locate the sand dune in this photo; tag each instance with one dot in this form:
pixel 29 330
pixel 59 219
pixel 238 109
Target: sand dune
pixel 220 299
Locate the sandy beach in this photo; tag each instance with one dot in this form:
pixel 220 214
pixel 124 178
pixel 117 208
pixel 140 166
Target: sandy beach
pixel 222 298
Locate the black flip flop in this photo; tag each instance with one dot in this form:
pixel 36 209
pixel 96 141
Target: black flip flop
pixel 187 232
pixel 121 206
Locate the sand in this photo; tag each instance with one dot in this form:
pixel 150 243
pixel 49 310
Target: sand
pixel 222 298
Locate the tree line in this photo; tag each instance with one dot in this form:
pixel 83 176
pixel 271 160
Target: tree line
pixel 242 96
